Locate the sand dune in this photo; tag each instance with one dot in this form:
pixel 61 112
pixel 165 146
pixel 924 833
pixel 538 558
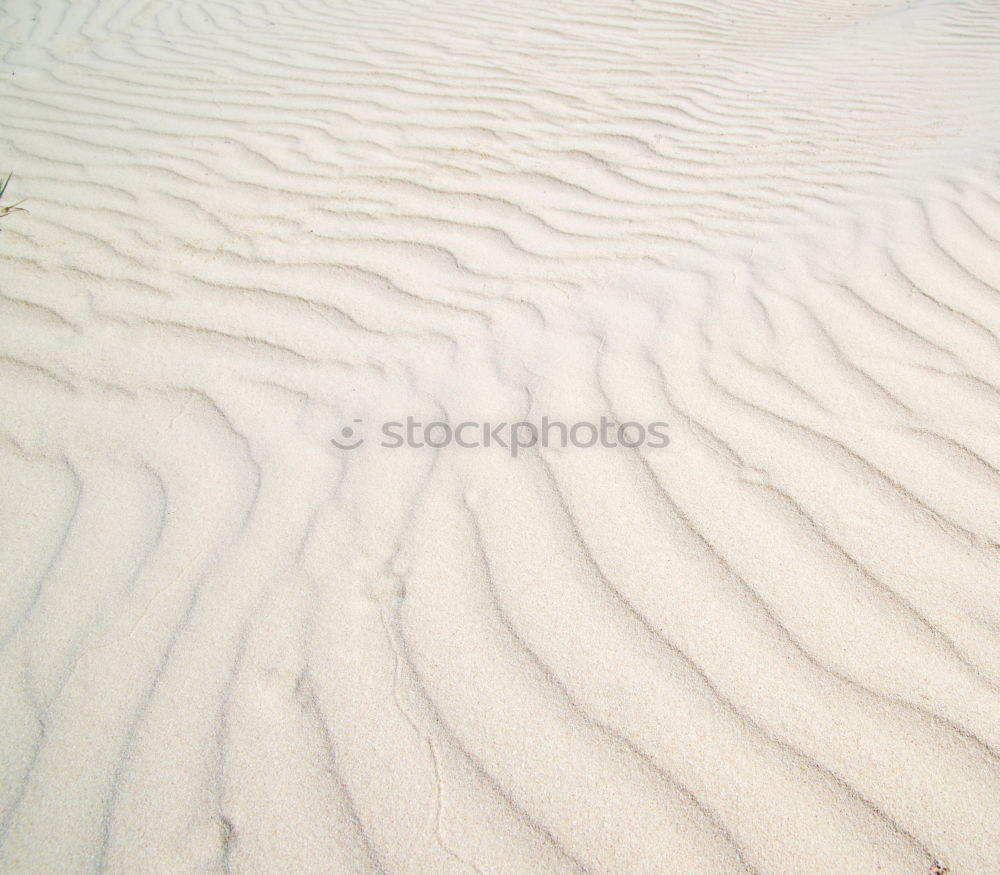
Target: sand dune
pixel 771 646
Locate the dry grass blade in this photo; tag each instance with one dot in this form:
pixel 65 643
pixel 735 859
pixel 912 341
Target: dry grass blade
pixel 9 208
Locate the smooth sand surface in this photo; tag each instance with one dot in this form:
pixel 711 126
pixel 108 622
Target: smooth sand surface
pixel 771 646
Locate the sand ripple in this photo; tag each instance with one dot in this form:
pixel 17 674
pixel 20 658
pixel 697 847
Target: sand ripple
pixel 226 645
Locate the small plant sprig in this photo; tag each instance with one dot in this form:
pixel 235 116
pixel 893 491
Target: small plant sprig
pixel 15 207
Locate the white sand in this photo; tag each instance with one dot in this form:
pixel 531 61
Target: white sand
pixel 773 646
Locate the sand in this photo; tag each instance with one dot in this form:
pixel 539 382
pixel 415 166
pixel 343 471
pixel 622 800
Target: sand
pixel 229 644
